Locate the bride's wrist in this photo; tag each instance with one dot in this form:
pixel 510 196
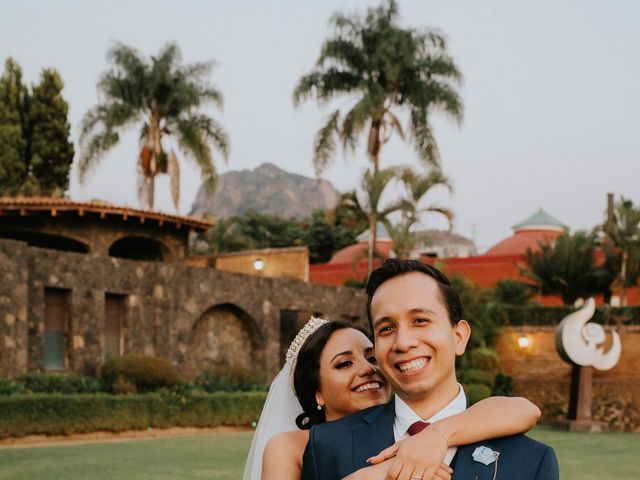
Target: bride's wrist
pixel 444 437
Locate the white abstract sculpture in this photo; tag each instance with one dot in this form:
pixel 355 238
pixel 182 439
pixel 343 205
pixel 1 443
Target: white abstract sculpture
pixel 577 341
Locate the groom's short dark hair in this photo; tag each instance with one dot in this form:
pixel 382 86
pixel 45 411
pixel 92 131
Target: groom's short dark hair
pixel 394 267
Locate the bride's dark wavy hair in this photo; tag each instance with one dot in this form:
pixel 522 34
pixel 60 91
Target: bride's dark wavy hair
pixel 306 378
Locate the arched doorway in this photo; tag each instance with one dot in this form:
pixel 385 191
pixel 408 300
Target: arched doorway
pixel 47 240
pixel 224 335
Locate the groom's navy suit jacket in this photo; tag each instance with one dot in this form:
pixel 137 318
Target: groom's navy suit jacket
pixel 338 448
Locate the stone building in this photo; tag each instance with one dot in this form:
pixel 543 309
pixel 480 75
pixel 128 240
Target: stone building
pixel 84 281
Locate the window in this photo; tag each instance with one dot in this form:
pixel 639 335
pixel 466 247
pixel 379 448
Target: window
pixel 114 310
pixel 56 328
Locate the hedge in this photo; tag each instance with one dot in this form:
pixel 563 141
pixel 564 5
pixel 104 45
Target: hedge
pixel 54 414
pixel 538 315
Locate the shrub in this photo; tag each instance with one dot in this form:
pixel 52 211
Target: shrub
pixel 47 382
pixel 475 375
pixel 485 359
pixel 355 283
pixel 503 386
pixel 476 392
pixel 67 414
pixel 230 379
pixel 10 387
pixel 138 373
pixel 514 292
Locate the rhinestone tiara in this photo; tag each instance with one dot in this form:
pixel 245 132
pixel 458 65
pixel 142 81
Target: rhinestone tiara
pixel 292 354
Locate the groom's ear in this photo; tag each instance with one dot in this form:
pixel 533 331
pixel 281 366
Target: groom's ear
pixel 462 332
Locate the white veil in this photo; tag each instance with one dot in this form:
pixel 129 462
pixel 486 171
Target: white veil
pixel 278 415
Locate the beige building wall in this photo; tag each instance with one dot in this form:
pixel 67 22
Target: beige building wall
pixel 273 262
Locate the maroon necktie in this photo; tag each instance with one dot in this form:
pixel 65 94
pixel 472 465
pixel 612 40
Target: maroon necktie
pixel 417 427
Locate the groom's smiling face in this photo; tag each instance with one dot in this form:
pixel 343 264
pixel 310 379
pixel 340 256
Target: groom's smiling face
pixel 415 341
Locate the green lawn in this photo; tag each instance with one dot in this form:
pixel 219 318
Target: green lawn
pixel 221 457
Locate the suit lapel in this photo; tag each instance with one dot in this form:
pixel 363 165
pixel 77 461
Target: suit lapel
pixel 374 436
pixel 466 468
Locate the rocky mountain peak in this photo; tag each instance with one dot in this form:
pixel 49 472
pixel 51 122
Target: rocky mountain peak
pixel 266 189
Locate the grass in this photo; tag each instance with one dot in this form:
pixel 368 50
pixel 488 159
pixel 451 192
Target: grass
pixel 221 457
pixel 214 457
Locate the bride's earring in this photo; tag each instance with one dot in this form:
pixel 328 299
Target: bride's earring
pixel 319 407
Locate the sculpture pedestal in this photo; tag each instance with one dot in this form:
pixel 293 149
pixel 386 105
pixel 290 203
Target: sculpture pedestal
pixel 580 395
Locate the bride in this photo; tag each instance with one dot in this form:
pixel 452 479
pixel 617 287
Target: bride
pixel 329 373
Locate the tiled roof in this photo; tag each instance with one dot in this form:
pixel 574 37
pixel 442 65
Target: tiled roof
pixel 26 205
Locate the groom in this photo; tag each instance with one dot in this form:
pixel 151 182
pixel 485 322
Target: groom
pixel 416 318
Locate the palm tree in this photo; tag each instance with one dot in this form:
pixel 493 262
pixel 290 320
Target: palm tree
pixel 163 96
pixel 384 70
pixel 366 204
pixel 623 229
pixel 567 268
pixel 417 187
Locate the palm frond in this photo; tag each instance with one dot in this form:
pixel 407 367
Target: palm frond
pixel 173 169
pixel 324 144
pixel 423 139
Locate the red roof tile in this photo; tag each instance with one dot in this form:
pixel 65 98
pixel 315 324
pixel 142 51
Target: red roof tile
pixel 23 205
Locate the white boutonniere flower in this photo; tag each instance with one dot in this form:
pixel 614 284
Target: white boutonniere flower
pixel 485 455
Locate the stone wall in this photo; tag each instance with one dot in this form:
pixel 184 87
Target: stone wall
pixel 13 307
pixel 173 310
pixel 543 377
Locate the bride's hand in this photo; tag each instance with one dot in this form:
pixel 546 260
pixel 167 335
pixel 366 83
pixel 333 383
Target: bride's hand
pixel 420 453
pixel 379 472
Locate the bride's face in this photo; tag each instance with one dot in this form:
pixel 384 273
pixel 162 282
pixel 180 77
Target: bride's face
pixel 349 380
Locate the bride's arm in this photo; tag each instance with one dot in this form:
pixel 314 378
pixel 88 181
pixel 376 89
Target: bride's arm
pixel 490 418
pixel 282 458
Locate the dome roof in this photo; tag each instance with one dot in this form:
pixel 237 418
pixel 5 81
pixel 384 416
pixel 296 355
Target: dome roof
pixel 381 234
pixel 540 220
pixel 521 241
pixel 353 254
pixel 529 234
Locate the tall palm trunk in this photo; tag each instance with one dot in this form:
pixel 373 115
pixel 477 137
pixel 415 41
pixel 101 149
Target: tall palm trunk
pixel 153 142
pixel 373 149
pixel 623 275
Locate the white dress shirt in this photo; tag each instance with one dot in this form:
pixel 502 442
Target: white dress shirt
pixel 405 417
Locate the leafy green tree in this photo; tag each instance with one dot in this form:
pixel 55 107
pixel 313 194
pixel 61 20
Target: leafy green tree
pixel 35 154
pixel 13 94
pixel 221 238
pixel 623 230
pixel 324 238
pixel 270 231
pixel 51 151
pixel 513 292
pixel 349 214
pixel 164 97
pixel 387 70
pixel 567 268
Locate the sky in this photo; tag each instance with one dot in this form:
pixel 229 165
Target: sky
pixel 551 92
